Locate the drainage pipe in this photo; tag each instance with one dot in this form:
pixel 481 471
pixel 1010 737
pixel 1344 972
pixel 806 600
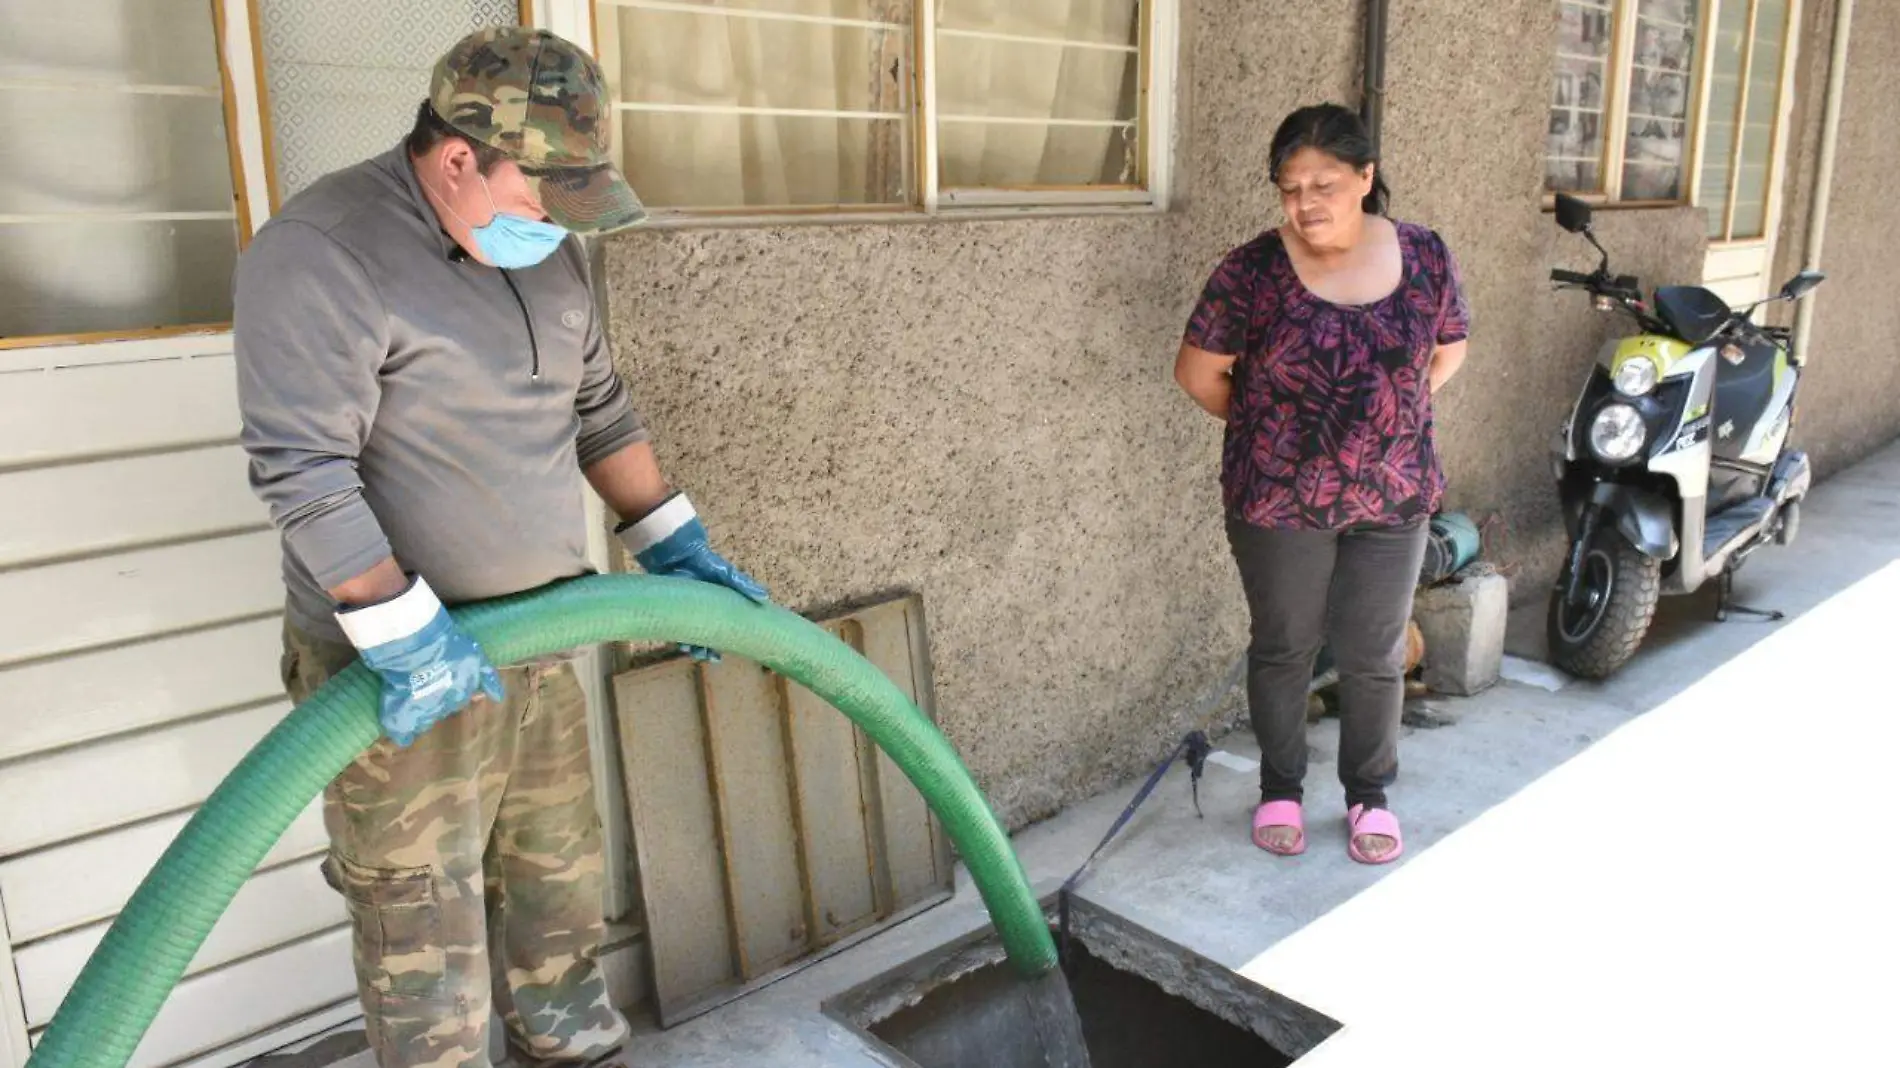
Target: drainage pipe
pixel 1824 170
pixel 1372 91
pixel 148 947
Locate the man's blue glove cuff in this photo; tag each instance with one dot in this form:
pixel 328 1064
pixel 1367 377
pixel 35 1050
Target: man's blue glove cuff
pixel 670 540
pixel 403 616
pixel 665 535
pixel 428 667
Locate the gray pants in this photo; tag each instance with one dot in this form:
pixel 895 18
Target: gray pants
pixel 1352 590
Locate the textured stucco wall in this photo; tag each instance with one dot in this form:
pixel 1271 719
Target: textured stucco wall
pixel 983 412
pixel 976 412
pixel 1850 404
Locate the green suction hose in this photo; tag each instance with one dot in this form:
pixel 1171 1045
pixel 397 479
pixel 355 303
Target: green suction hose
pixel 146 951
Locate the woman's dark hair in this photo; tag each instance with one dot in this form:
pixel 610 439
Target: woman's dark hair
pixel 1337 132
pixel 430 130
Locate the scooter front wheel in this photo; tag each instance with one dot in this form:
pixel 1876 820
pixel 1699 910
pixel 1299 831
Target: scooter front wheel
pixel 1596 630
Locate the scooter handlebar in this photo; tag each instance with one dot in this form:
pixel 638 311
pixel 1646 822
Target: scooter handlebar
pixel 1621 287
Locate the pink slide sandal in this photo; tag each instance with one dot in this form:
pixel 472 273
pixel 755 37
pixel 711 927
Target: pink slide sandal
pixel 1279 814
pixel 1372 821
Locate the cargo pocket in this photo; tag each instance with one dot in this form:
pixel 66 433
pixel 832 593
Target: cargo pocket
pixel 398 921
pixel 290 666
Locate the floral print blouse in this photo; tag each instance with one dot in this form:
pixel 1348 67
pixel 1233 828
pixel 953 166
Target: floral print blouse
pixel 1331 424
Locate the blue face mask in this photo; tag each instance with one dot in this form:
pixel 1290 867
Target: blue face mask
pixel 512 242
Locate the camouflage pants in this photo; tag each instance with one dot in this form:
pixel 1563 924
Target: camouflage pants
pixel 471 864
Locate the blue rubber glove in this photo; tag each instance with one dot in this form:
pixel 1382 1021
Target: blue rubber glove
pixel 671 541
pixel 430 669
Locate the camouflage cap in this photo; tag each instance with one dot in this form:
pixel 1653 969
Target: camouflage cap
pixel 543 102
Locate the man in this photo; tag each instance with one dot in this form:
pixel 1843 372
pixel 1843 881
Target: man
pixel 423 380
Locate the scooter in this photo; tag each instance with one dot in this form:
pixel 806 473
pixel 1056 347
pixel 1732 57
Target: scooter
pixel 1673 467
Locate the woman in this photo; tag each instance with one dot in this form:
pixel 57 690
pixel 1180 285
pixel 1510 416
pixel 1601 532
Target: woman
pixel 1319 345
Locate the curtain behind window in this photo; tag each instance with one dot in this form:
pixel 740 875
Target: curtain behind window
pixel 700 155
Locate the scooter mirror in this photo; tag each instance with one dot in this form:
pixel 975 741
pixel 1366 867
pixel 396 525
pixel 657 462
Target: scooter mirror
pixel 1802 284
pixel 1573 214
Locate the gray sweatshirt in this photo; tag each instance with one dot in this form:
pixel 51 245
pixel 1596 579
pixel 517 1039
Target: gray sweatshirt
pixel 401 397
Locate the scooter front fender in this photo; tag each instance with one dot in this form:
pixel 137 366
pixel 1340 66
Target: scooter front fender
pixel 1643 517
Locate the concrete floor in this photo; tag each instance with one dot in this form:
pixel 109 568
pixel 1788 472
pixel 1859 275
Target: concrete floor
pixel 1201 883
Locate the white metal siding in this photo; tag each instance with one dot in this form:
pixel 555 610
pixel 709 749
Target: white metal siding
pixel 87 696
pixel 138 663
pixel 71 511
pixel 228 1005
pixel 96 410
pixel 84 882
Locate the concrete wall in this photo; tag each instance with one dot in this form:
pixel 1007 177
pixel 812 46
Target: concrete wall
pixel 983 412
pixel 976 412
pixel 1851 400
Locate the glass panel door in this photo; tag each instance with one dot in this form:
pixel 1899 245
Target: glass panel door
pixel 1722 118
pixel 1758 124
pixel 345 78
pixel 1746 93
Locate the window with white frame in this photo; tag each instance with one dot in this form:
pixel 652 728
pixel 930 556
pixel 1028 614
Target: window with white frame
pixel 118 207
pixel 1623 102
pixel 758 106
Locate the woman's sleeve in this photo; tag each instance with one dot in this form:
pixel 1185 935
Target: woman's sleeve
pixel 1220 319
pixel 1454 310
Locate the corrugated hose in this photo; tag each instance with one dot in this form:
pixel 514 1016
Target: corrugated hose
pixel 150 944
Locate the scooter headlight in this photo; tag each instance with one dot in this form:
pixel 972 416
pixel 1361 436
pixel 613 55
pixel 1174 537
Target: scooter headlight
pixel 1618 433
pixel 1636 377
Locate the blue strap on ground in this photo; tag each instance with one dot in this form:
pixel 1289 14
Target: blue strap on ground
pixel 1194 747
